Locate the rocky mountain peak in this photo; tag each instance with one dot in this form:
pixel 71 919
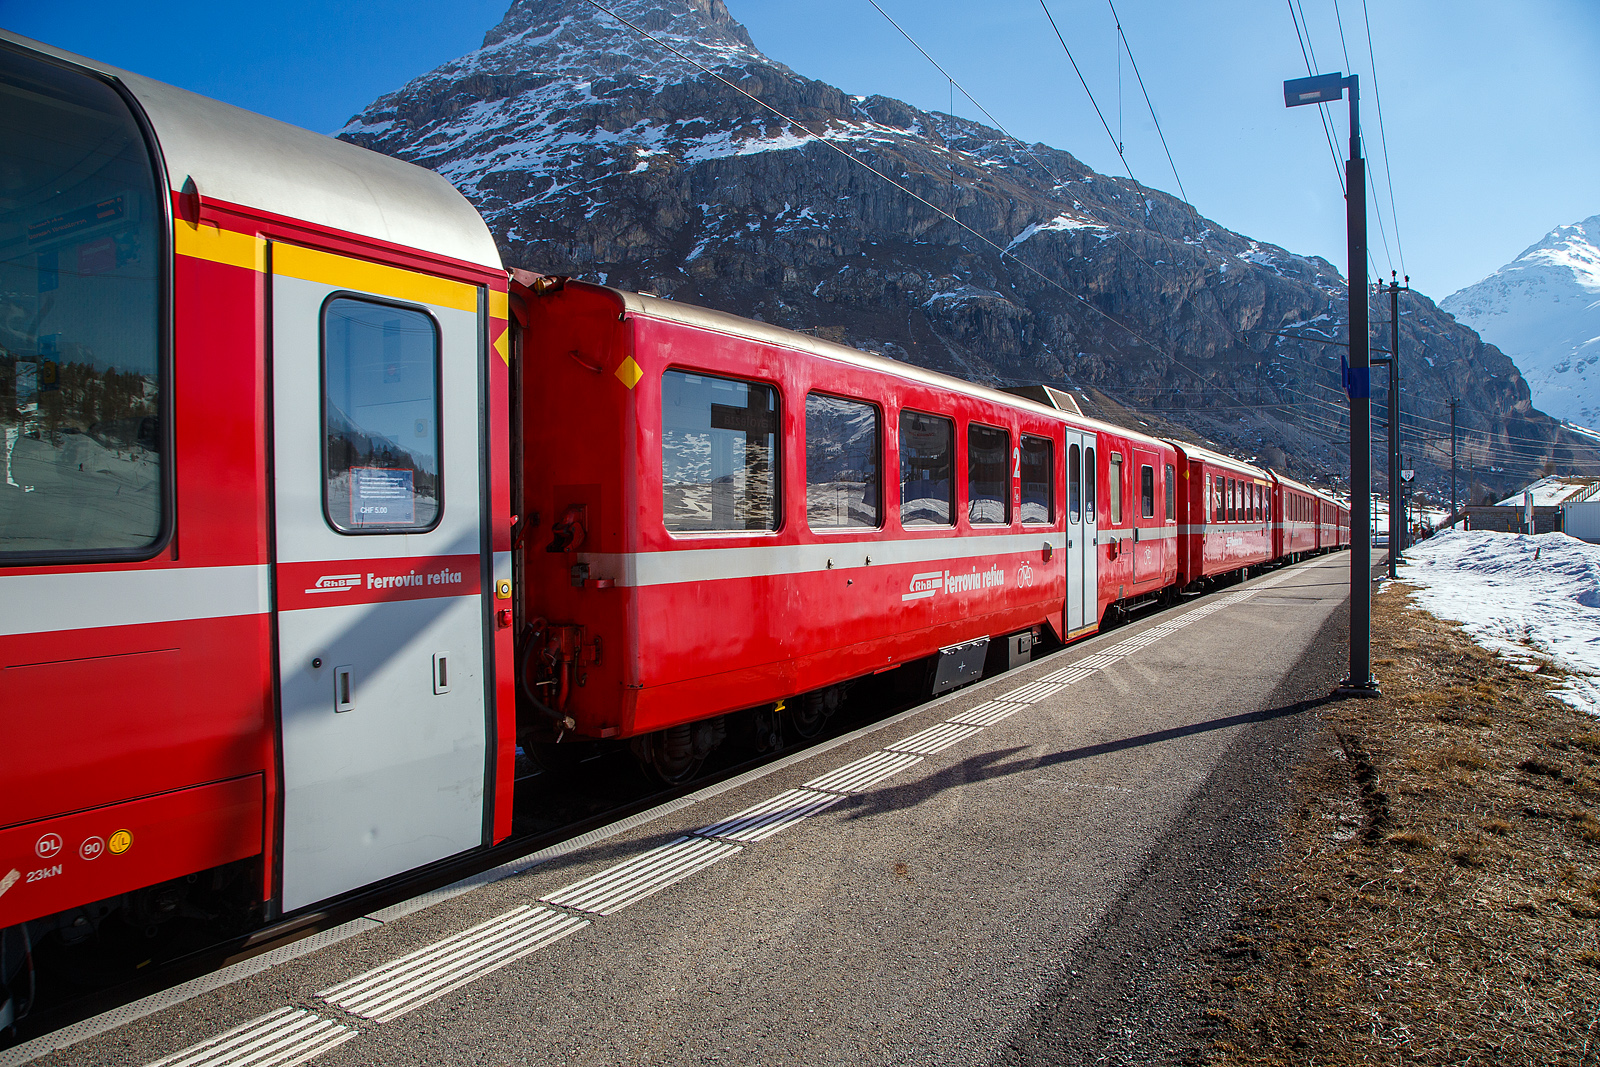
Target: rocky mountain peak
pixel 595 151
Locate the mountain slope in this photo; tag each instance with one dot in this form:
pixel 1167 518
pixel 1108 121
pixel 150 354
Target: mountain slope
pixel 596 151
pixel 1543 310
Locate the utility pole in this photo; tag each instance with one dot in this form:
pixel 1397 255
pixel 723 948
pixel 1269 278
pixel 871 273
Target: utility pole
pixel 1453 401
pixel 1398 541
pixel 1321 89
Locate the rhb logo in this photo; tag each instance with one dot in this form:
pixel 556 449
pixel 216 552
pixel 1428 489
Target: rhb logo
pixel 336 583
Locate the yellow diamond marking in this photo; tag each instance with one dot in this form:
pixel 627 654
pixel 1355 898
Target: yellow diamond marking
pixel 629 373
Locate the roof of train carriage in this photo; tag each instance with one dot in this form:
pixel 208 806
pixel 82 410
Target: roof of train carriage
pixel 243 158
pixel 725 322
pixel 1196 452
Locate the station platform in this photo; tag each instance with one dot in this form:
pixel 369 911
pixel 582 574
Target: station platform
pixel 961 883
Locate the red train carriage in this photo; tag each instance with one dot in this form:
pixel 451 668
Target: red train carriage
pixel 744 518
pixel 1138 534
pixel 1229 513
pixel 1298 511
pixel 252 522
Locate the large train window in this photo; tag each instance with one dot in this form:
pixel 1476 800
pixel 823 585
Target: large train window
pixel 1172 495
pixel 1147 491
pixel 380 378
pixel 988 464
pixel 1233 500
pixel 926 466
pixel 719 453
pixel 1074 483
pixel 1114 487
pixel 81 252
pixel 1091 477
pixel 842 482
pixel 1219 499
pixel 1038 479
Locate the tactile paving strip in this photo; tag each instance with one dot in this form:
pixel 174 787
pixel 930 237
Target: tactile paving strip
pixel 286 1037
pixel 935 738
pixel 867 771
pixel 649 872
pixel 389 991
pixel 987 714
pixel 761 821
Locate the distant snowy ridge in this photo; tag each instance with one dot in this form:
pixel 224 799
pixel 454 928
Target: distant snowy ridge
pixel 1543 310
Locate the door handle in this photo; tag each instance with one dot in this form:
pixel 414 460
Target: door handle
pixel 344 693
pixel 441 673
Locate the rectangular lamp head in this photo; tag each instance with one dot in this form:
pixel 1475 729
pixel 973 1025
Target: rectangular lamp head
pixel 1317 90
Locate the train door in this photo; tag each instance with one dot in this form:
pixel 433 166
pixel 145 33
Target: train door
pixel 379 523
pixel 1083 592
pixel 1149 550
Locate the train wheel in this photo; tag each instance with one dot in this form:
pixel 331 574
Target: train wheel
pixel 810 713
pixel 668 756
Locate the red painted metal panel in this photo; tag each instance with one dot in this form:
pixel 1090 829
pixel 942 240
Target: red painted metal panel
pixel 70 860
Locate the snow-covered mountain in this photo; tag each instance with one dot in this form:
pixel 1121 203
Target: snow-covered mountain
pixel 640 144
pixel 1543 310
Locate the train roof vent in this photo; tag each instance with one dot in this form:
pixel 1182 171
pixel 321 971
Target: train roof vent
pixel 1048 396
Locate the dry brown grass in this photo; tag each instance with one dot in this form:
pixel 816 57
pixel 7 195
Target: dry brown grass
pixel 1438 900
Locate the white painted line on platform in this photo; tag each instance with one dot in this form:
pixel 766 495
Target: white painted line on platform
pixel 987 714
pixel 649 872
pixel 935 738
pixel 1032 693
pixel 388 992
pixel 761 821
pixel 285 1037
pixel 1098 660
pixel 867 771
pixel 1068 675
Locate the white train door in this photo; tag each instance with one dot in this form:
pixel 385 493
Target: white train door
pixel 379 522
pixel 1082 527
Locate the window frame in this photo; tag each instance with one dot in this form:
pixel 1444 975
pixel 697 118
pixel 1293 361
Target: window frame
pixel 878 456
pixel 780 442
pixel 1091 483
pixel 1172 493
pixel 322 410
pixel 1005 480
pixel 1114 464
pixel 1074 483
pixel 165 403
pixel 900 479
pixel 1049 481
pixel 1147 493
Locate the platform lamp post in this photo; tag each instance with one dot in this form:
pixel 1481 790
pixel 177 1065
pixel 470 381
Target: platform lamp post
pixel 1322 89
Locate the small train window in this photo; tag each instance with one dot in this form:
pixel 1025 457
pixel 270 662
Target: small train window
pixel 1218 499
pixel 927 488
pixel 719 453
pixel 988 467
pixel 1038 479
pixel 1172 495
pixel 1075 483
pixel 1114 487
pixel 843 485
pixel 1091 477
pixel 1147 491
pixel 380 382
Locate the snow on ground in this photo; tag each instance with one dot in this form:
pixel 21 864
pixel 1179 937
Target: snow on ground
pixel 1523 596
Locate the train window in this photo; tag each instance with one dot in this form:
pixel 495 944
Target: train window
pixel 1147 491
pixel 719 453
pixel 81 387
pixel 1114 487
pixel 1091 478
pixel 1038 479
pixel 926 466
pixel 1172 495
pixel 1218 496
pixel 380 380
pixel 988 468
pixel 842 480
pixel 1074 483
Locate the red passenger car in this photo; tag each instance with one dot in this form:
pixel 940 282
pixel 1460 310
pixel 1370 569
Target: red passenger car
pixel 252 521
pixel 1229 505
pixel 721 515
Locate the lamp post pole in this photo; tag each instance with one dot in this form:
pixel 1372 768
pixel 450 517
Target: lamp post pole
pixel 1358 384
pixel 1397 535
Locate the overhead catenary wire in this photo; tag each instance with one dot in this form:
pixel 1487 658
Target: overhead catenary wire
pixel 1383 141
pixel 1372 187
pixel 1114 143
pixel 1159 133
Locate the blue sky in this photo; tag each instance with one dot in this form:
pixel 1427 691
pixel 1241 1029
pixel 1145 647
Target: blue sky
pixel 1488 105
